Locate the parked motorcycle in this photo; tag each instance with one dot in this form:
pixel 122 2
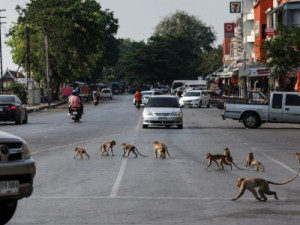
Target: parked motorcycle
pixel 75 114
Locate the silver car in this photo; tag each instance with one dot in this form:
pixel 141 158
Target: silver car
pixel 162 110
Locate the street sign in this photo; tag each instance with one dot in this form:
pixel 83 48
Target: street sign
pixel 235 7
pixel 228 30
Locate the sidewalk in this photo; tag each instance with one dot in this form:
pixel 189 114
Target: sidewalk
pixel 42 106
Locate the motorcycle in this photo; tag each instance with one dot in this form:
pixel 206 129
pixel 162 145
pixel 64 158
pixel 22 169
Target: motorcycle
pixel 75 114
pixel 138 103
pixel 95 100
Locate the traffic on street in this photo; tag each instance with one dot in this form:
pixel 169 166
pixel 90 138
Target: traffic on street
pixel 106 189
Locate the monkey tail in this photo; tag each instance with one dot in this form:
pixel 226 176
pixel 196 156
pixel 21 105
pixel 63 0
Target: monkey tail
pixel 232 163
pixel 237 166
pixel 168 153
pixel 140 153
pixel 270 182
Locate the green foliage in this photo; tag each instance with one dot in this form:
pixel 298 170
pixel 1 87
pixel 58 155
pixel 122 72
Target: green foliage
pixel 18 90
pixel 211 60
pixel 282 53
pixel 79 35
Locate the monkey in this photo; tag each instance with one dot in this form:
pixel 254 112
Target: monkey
pixel 257 165
pixel 221 158
pixel 106 146
pixel 161 149
pixel 249 159
pixel 229 157
pixel 298 157
pixel 130 148
pixel 262 184
pixel 81 151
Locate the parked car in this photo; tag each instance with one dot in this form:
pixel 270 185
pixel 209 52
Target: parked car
pixel 17 170
pixel 195 98
pixel 105 93
pixel 146 95
pixel 180 90
pixel 12 109
pixel 162 110
pixel 162 89
pixel 142 88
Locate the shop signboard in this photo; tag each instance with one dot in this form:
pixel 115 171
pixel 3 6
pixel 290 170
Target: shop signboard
pixel 258 72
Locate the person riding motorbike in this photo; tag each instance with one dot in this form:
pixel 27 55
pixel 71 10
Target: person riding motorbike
pixel 75 101
pixel 138 98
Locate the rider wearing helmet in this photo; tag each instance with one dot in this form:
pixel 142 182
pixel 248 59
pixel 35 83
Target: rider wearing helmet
pixel 75 101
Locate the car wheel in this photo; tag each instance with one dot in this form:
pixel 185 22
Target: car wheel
pixel 18 119
pixel 7 209
pixel 251 120
pixel 179 126
pixel 26 118
pixel 200 104
pixel 145 126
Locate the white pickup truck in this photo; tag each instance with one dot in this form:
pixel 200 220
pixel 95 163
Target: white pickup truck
pixel 282 107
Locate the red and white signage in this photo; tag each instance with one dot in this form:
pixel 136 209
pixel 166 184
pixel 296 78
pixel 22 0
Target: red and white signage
pixel 270 32
pixel 228 30
pixel 257 72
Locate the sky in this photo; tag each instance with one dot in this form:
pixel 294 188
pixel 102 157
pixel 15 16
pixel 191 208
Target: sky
pixel 137 18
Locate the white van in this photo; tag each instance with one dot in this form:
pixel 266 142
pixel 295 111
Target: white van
pixel 178 83
pixel 200 85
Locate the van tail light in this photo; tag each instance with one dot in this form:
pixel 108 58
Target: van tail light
pixel 224 107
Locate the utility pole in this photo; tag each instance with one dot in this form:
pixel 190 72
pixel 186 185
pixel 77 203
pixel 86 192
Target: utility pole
pixel 47 63
pixel 1 10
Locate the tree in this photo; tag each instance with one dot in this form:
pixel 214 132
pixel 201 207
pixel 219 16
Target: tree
pixel 76 31
pixel 281 54
pixel 211 61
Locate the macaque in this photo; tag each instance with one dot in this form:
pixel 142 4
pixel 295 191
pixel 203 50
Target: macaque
pixel 249 159
pixel 257 165
pixel 228 156
pixel 262 184
pixel 130 148
pixel 219 158
pixel 105 147
pixel 81 151
pixel 160 149
pixel 298 157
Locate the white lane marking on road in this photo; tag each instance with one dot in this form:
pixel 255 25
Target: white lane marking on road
pixel 280 163
pixel 115 189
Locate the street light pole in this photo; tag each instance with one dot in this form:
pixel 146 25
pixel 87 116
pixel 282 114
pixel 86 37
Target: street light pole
pixel 1 10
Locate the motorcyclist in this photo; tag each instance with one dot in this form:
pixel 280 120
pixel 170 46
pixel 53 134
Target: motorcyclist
pixel 95 95
pixel 75 101
pixel 138 97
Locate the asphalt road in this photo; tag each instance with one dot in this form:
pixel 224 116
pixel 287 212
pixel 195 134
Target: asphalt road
pixel 144 190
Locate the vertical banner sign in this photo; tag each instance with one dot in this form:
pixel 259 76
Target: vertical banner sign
pixel 228 30
pixel 235 7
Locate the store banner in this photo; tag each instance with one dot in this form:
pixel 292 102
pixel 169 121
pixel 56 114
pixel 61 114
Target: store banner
pixel 259 71
pixel 228 30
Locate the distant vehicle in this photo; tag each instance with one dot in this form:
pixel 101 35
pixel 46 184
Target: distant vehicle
pixel 195 98
pixel 105 93
pixel 12 109
pixel 142 88
pixel 163 89
pixel 282 107
pixel 146 95
pixel 179 91
pixel 178 83
pixel 17 171
pixel 162 110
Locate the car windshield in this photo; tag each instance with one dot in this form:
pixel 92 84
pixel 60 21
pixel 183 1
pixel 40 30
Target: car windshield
pixel 192 94
pixel 163 102
pixel 7 98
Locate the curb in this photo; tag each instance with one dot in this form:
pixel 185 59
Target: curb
pixel 42 107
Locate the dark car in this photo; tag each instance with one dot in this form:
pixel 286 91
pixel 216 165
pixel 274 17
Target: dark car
pixel 17 171
pixel 142 88
pixel 12 109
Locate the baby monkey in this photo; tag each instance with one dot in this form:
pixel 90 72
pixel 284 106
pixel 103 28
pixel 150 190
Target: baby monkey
pixel 262 184
pixel 160 149
pixel 105 147
pixel 130 148
pixel 249 159
pixel 257 165
pixel 219 158
pixel 81 151
pixel 229 157
pixel 298 157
